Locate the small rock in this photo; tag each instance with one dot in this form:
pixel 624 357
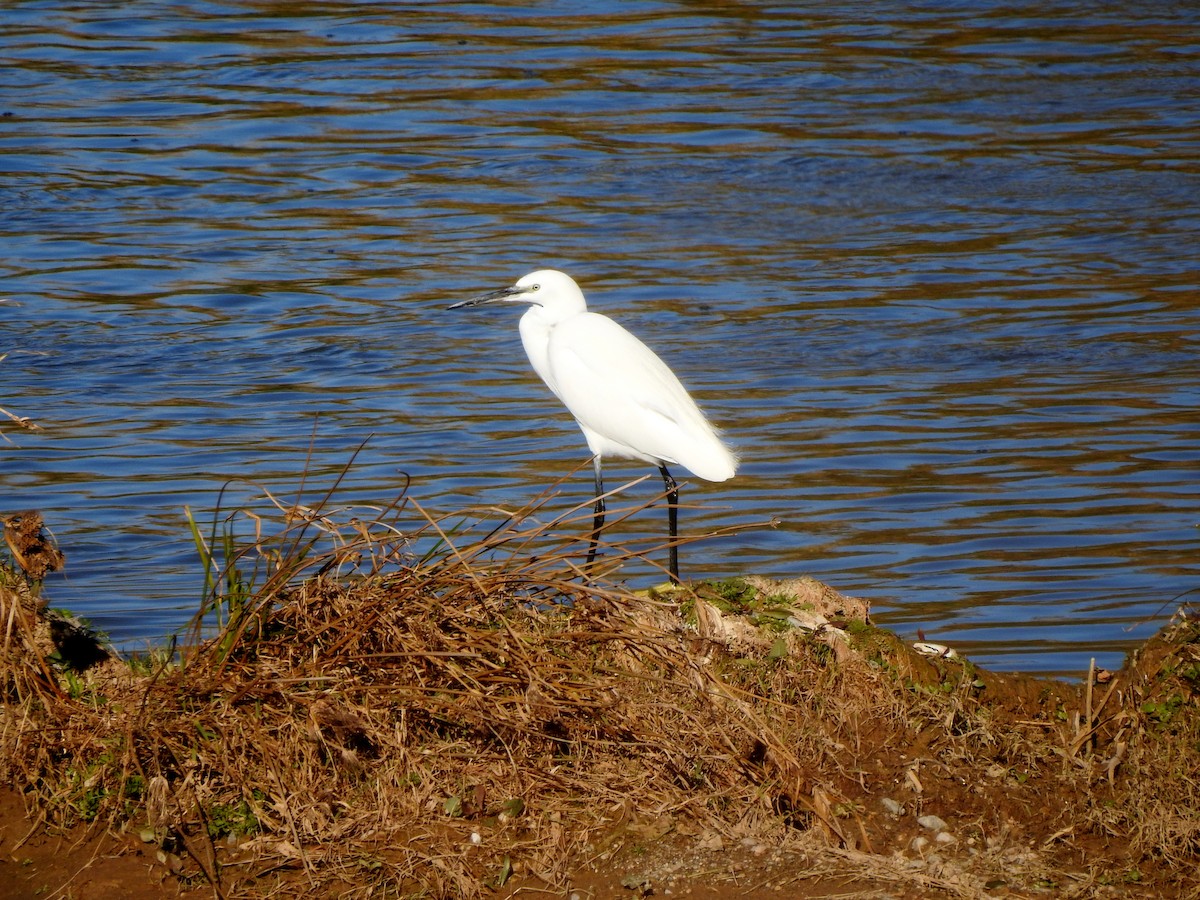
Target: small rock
pixel 945 837
pixel 918 844
pixel 932 823
pixel 639 884
pixel 712 842
pixel 939 650
pixel 894 807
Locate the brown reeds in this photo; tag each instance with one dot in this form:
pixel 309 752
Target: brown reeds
pixel 402 703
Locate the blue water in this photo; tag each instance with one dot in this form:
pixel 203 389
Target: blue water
pixel 933 270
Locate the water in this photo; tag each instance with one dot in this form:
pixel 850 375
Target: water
pixel 933 268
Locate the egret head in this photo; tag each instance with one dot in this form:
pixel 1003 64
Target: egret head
pixel 555 292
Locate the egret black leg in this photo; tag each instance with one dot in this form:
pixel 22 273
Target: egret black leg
pixel 672 519
pixel 598 510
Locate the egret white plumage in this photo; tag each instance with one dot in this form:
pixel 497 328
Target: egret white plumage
pixel 627 402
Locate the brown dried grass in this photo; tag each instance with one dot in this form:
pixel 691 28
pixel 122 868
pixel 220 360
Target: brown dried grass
pixel 412 723
pixel 370 717
pixel 1155 744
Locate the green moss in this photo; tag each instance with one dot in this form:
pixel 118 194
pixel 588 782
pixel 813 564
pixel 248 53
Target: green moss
pixel 729 595
pixel 235 819
pixel 1163 711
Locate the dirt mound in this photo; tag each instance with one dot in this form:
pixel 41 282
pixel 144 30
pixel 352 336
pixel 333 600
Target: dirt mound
pixel 461 724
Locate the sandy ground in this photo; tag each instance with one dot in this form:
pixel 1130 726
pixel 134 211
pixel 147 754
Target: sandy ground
pixel 91 864
pixel 82 864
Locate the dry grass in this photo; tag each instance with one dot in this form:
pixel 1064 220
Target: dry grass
pixel 1156 743
pixel 432 710
pixel 23 422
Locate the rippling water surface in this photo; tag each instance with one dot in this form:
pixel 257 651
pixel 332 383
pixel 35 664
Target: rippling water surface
pixel 934 268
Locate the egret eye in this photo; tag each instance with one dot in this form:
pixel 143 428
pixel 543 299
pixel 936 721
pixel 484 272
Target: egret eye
pixel 535 287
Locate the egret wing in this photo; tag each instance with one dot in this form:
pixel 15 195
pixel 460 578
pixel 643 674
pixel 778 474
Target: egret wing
pixel 628 401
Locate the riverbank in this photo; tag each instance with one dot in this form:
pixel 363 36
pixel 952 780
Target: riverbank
pixel 452 728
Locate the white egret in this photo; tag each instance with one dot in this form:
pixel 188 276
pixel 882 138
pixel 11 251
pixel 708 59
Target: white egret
pixel 625 399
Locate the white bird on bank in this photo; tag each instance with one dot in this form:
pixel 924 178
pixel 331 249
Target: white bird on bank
pixel 625 399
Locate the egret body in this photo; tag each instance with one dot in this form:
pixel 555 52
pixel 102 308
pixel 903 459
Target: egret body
pixel 627 402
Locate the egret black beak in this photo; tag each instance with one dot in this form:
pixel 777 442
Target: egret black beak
pixel 493 297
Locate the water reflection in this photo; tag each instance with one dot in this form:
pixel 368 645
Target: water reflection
pixel 929 267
